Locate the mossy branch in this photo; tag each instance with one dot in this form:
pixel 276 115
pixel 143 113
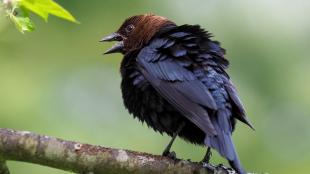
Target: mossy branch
pixel 84 158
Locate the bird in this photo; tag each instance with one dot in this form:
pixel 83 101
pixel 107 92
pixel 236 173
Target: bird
pixel 174 79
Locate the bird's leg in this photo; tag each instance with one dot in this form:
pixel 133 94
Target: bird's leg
pixel 167 152
pixel 207 157
pixel 167 149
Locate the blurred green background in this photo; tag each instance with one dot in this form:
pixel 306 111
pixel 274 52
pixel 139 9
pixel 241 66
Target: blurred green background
pixel 55 80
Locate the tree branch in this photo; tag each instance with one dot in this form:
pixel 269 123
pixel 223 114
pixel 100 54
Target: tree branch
pixel 88 159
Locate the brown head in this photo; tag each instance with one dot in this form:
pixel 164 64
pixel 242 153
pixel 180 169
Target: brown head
pixel 135 32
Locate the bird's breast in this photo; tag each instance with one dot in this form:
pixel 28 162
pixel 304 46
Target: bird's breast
pixel 143 101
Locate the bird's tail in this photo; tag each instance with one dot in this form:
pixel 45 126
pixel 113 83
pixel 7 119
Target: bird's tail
pixel 222 142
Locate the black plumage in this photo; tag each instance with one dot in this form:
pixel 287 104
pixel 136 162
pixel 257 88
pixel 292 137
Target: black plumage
pixel 177 77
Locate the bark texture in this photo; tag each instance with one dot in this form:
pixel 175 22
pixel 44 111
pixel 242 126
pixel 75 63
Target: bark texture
pixel 89 159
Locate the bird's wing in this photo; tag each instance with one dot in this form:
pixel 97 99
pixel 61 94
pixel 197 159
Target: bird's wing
pixel 163 64
pixel 211 54
pixel 237 104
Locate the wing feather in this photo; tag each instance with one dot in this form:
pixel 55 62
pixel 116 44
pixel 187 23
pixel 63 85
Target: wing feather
pixel 178 85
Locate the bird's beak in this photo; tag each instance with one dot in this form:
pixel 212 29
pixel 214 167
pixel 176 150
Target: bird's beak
pixel 118 47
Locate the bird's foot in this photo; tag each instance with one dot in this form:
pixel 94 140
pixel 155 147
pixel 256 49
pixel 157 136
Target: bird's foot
pixel 207 157
pixel 224 168
pixel 208 166
pixel 171 155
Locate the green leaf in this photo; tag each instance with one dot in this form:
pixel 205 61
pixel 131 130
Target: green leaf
pixel 45 7
pixel 22 23
pixel 34 7
pixel 18 11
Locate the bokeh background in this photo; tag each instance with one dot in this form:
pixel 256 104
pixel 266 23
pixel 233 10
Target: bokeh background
pixel 55 80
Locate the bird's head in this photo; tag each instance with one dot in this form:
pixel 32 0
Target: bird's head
pixel 135 32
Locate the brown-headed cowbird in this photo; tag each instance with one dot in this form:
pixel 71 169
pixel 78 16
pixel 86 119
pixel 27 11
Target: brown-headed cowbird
pixel 174 79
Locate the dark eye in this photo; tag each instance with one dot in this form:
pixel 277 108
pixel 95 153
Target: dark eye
pixel 129 28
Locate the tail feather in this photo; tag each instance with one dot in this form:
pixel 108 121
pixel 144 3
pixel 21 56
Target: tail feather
pixel 236 165
pixel 223 141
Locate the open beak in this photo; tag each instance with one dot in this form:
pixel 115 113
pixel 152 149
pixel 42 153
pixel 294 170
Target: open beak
pixel 118 47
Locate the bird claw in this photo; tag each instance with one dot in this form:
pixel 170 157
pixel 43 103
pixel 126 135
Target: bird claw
pixel 171 155
pixel 208 166
pixel 227 169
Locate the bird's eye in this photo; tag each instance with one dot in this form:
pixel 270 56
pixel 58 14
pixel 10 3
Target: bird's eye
pixel 129 28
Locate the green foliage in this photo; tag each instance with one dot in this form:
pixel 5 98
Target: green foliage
pixel 22 23
pixel 18 11
pixel 45 7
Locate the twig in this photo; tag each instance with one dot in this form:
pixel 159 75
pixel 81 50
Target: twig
pixel 88 159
